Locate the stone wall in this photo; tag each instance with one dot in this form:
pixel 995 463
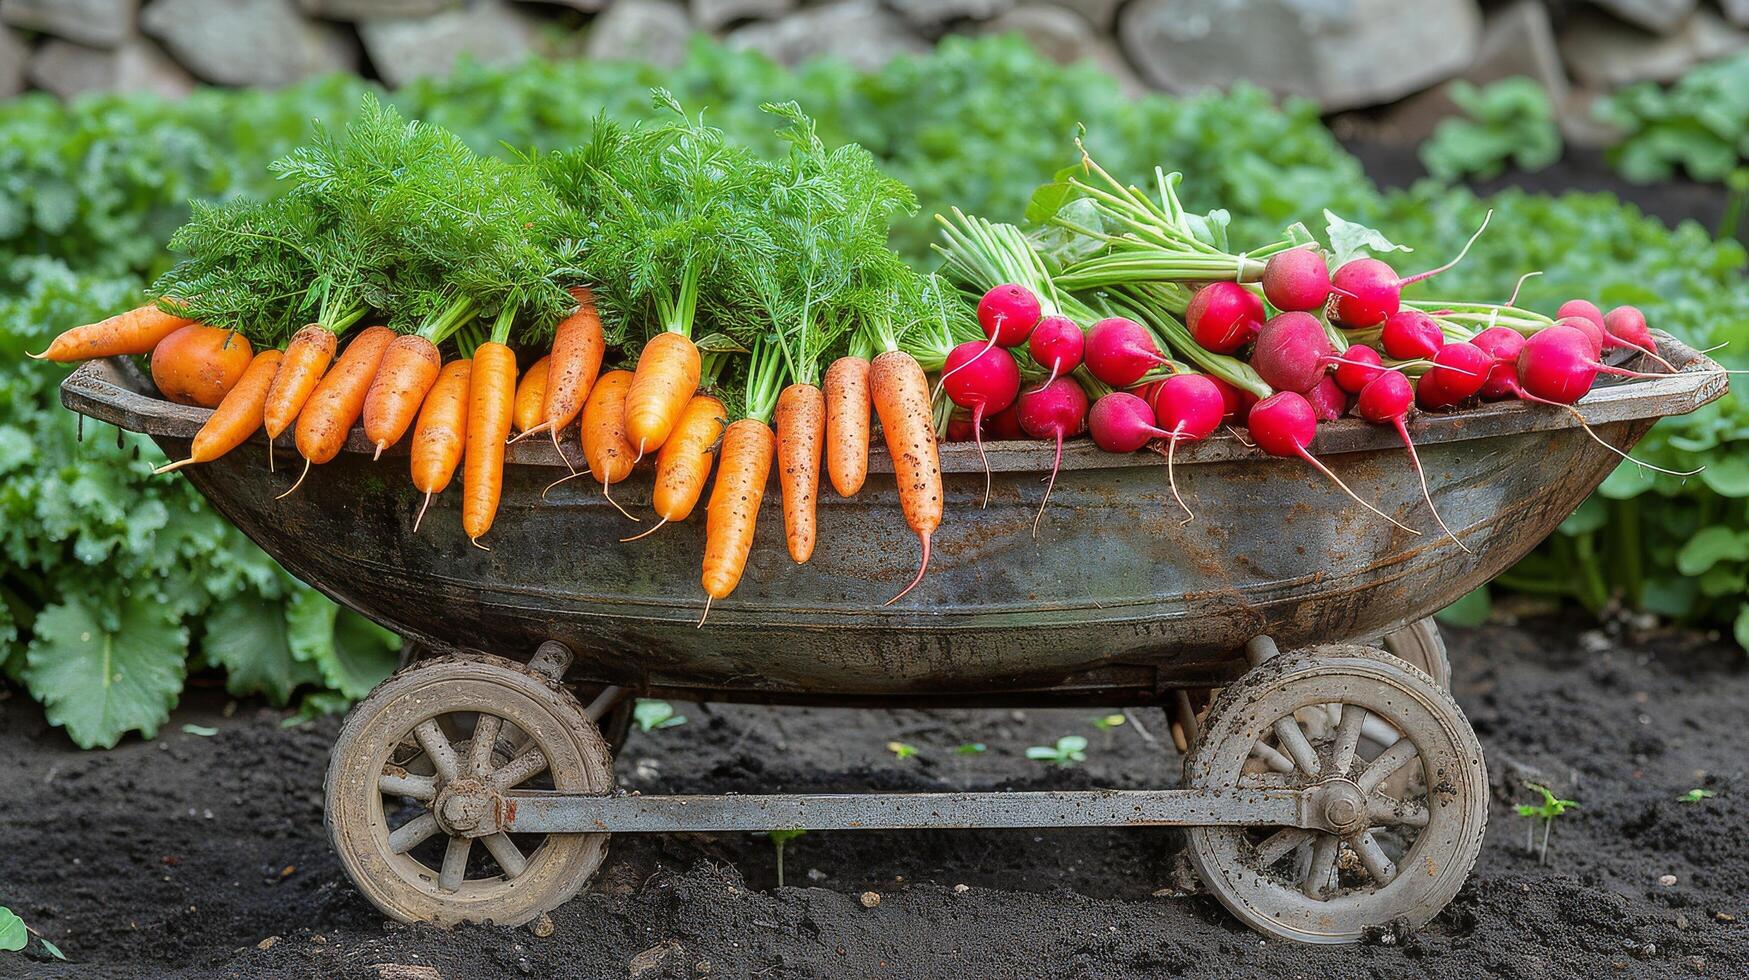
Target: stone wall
pixel 1346 54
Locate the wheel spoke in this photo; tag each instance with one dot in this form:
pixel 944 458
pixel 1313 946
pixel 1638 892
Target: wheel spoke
pixel 1323 866
pixel 505 852
pixel 1387 763
pixel 437 748
pixel 1379 731
pixel 1293 741
pixel 1280 844
pixel 1382 868
pixel 1381 809
pixel 1271 758
pixel 455 864
pixel 1347 738
pixel 422 788
pixel 486 730
pixel 520 770
pixel 412 833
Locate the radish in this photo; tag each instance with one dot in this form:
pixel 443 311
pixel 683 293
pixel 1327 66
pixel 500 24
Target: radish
pixel 960 427
pixel 1008 313
pixel 1329 400
pixel 1056 411
pixel 1559 365
pixel 1385 401
pixel 1292 352
pixel 1502 344
pixel 1189 407
pixel 1298 279
pixel 984 379
pixel 1119 351
pixel 1625 327
pixel 1004 426
pixel 1057 343
pixel 1224 316
pixel 1122 423
pixel 1411 335
pixel 1369 291
pixel 1592 330
pixel 1583 309
pixel 1284 425
pixel 1359 366
pixel 1236 402
pixel 1459 371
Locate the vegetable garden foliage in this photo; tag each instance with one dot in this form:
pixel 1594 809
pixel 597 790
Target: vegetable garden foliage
pixel 112 579
pixel 1700 124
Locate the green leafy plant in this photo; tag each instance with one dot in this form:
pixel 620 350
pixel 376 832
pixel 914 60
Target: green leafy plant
pixel 1546 813
pixel 902 750
pixel 779 841
pixel 653 715
pixel 1508 122
pixel 1067 751
pixel 1697 795
pixel 969 748
pixel 1106 723
pixel 15 935
pixel 1699 125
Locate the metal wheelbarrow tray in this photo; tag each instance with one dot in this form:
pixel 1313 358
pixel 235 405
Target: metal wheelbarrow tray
pixel 1300 763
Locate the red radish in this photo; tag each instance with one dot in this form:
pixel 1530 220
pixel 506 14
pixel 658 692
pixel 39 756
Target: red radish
pixel 1584 309
pixel 1459 371
pixel 1189 407
pixel 1008 313
pixel 1593 331
pixel 1503 345
pixel 1056 343
pixel 984 379
pixel 1298 279
pixel 1292 352
pixel 1329 401
pixel 1625 327
pixel 1284 425
pixel 1385 401
pixel 1236 401
pixel 1411 335
pixel 1056 411
pixel 1359 366
pixel 1224 316
pixel 1369 291
pixel 1119 352
pixel 960 427
pixel 1004 425
pixel 1122 423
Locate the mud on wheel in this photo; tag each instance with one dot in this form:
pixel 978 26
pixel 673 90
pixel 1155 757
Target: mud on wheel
pixel 415 784
pixel 1347 723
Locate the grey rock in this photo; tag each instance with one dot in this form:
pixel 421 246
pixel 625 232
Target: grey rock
pixel 653 31
pixel 490 32
pixel 936 13
pixel 1102 14
pixel 1516 40
pixel 68 69
pixel 587 6
pixel 1604 53
pixel 1065 37
pixel 714 14
pixel 1663 16
pixel 247 42
pixel 14 54
pixel 1341 53
pixel 1737 11
pixel 368 9
pixel 859 31
pixel 99 23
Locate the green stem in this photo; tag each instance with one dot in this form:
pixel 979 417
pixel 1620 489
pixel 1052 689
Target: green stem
pixel 678 310
pixel 764 381
pixel 438 327
pixel 506 316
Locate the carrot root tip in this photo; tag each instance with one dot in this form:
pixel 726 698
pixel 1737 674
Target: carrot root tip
pixel 707 611
pixel 299 483
pixel 173 467
pixel 645 534
pixel 476 543
pixel 379 453
pixel 421 515
pixel 921 570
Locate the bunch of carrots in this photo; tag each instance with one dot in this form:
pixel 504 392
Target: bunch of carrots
pixel 692 304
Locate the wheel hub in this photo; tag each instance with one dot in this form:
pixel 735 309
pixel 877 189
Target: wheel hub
pixel 1343 807
pixel 466 807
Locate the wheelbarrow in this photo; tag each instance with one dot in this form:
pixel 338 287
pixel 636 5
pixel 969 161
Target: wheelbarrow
pixel 1329 788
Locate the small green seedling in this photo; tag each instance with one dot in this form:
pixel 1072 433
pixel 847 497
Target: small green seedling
pixel 969 748
pixel 15 935
pixel 651 715
pixel 1069 750
pixel 1546 811
pixel 1696 795
pixel 904 750
pixel 779 838
pixel 1106 723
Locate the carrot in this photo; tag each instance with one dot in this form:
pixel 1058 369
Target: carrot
pixel 237 417
pixel 847 425
pixel 135 332
pixel 610 455
pixel 409 369
pixel 801 425
pixel 491 400
pixel 306 360
pixel 685 460
pixel 901 399
pixel 339 398
pixel 578 347
pixel 441 432
pixel 666 377
pixel 733 512
pixel 198 364
pixel 531 395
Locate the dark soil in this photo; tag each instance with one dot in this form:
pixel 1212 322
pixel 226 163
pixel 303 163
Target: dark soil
pixel 205 856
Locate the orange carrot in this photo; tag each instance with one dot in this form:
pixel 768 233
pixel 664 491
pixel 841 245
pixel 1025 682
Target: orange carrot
pixel 666 378
pixel 237 417
pixel 901 399
pixel 684 463
pixel 339 398
pixel 198 364
pixel 306 360
pixel 135 332
pixel 441 432
pixel 733 512
pixel 847 408
pixel 491 401
pixel 578 347
pixel 610 455
pixel 408 371
pixel 801 425
pixel 531 395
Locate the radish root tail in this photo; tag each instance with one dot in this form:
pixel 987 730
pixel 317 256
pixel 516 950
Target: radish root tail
pixel 1172 477
pixel 1308 457
pixel 1426 494
pixel 978 437
pixel 1049 485
pixel 1430 273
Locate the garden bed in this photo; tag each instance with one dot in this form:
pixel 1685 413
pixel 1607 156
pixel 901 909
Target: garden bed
pixel 204 855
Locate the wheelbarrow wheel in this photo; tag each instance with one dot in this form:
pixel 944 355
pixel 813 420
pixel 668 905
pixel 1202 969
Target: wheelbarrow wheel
pixel 1387 860
pixel 1420 645
pixel 414 792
